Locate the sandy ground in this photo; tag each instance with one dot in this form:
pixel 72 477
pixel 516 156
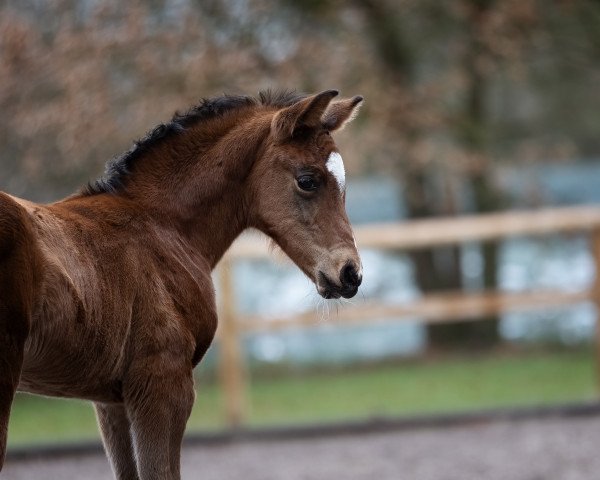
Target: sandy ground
pixel 548 449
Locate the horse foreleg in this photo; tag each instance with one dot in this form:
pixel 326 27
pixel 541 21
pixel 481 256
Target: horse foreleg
pixel 19 282
pixel 11 360
pixel 116 437
pixel 159 406
pixel 177 431
pixel 14 329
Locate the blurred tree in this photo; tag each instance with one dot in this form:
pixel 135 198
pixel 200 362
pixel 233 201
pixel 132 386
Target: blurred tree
pixel 399 54
pixel 440 65
pixel 80 80
pixel 453 89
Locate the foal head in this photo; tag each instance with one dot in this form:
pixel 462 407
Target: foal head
pixel 298 192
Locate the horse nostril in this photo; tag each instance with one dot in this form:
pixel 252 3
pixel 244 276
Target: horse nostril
pixel 349 275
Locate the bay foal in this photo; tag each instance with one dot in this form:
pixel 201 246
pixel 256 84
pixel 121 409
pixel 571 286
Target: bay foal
pixel 107 295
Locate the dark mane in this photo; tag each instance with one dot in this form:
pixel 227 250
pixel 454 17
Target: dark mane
pixel 120 167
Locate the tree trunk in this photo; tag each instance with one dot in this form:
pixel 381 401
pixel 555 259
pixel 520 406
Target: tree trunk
pixel 439 269
pixel 472 135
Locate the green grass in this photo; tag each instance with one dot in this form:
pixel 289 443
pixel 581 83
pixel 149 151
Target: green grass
pixel 408 388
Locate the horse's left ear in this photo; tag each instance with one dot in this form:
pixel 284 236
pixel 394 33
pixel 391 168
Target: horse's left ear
pixel 339 113
pixel 305 113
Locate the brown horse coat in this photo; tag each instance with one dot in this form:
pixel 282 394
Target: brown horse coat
pixel 107 295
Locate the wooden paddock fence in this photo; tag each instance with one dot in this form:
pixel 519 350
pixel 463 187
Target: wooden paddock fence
pixel 441 307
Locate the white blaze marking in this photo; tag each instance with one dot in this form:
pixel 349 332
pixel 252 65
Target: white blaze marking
pixel 335 165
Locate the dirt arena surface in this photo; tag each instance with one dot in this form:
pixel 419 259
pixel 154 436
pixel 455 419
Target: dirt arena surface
pixel 526 449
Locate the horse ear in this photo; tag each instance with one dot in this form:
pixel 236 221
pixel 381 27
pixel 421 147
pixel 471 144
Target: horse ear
pixel 305 113
pixel 341 113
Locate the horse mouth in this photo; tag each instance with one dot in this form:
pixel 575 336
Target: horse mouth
pixel 329 290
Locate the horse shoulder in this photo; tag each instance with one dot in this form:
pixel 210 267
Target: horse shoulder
pixel 19 264
pixel 86 294
pixel 182 293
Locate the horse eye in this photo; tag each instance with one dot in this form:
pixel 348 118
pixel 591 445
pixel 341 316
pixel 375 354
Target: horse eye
pixel 307 183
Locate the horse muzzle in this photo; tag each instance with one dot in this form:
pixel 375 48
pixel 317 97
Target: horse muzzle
pixel 350 278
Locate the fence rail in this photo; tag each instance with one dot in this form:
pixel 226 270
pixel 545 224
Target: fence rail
pixel 432 308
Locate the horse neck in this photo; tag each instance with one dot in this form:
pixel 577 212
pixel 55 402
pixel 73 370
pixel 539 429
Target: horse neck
pixel 200 185
pixel 212 231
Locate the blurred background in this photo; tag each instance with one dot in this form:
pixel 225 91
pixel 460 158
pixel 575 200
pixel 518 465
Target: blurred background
pixel 472 107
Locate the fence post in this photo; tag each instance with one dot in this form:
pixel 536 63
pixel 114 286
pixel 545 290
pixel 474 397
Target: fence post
pixel 231 369
pixel 595 245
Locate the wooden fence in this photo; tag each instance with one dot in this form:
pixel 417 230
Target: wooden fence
pixel 442 307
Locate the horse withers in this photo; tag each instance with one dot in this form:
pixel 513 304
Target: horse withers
pixel 107 295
